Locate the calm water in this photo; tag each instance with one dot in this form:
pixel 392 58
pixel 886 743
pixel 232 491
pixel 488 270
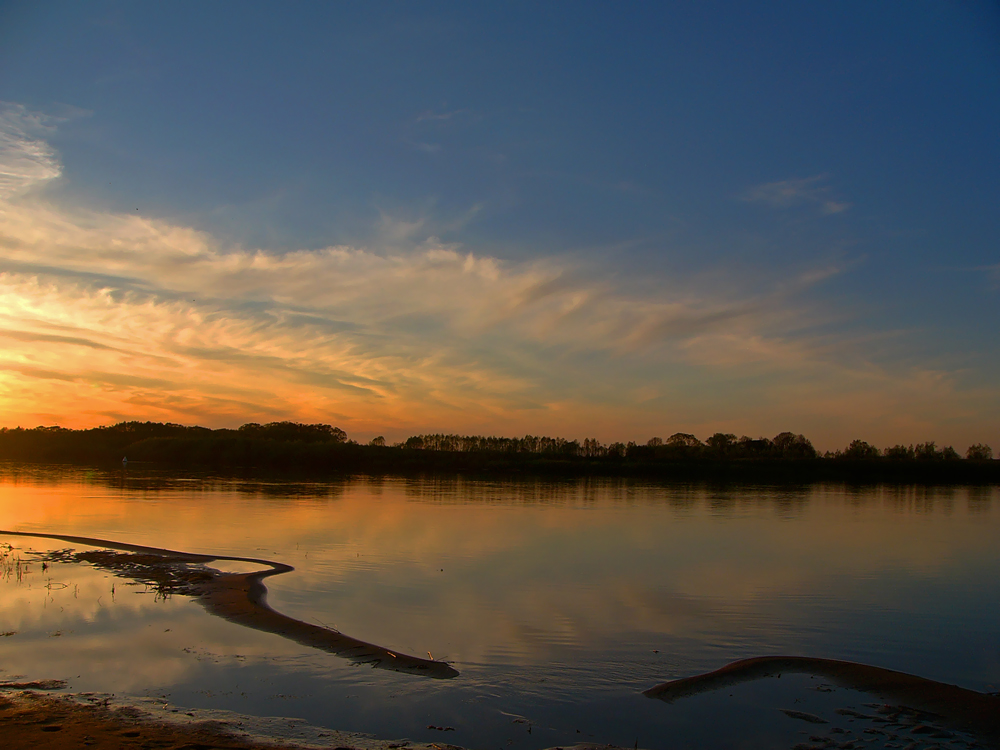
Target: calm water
pixel 558 603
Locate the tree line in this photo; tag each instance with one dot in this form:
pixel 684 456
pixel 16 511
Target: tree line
pixel 680 445
pixel 290 445
pixel 683 445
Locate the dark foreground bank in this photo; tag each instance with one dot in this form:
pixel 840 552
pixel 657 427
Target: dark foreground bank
pixel 30 720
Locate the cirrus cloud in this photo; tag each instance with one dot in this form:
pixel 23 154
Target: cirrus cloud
pixel 796 192
pixel 106 316
pixel 26 161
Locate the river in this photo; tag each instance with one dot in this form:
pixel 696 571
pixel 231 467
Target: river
pixel 557 603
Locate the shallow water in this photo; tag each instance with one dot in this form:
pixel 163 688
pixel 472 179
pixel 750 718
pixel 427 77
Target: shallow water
pixel 557 602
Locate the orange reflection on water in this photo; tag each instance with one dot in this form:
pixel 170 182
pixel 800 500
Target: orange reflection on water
pixel 534 572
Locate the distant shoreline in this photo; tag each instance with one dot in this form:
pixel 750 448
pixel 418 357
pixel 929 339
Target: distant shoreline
pixel 324 451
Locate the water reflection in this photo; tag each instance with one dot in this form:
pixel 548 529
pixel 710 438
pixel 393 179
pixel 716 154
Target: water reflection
pixel 920 704
pixel 557 601
pixel 239 597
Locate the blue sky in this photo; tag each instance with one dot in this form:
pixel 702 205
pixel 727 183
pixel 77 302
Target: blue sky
pixel 616 220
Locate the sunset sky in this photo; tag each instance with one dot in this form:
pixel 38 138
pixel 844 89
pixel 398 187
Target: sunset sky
pixel 610 220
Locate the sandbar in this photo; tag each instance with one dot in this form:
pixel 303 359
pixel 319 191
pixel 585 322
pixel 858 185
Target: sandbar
pixel 240 598
pixel 959 707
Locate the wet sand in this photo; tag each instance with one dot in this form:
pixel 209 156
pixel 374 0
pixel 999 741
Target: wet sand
pixel 33 721
pixel 44 722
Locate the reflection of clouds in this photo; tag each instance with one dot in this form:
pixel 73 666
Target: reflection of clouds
pixel 499 573
pixel 133 652
pixel 111 642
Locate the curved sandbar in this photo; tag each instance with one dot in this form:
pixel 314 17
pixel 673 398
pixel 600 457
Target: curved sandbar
pixel 240 598
pixel 978 712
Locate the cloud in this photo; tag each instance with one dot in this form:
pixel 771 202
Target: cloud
pixel 835 207
pixel 26 161
pixel 108 316
pixel 994 273
pixel 134 306
pixel 786 194
pixel 431 116
pixel 116 315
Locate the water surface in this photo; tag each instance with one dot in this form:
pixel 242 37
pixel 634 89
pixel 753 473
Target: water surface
pixel 557 602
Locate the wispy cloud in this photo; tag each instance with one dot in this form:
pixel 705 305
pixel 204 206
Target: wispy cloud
pixel 432 116
pixel 119 315
pixel 994 273
pixel 106 316
pixel 786 194
pixel 121 302
pixel 26 161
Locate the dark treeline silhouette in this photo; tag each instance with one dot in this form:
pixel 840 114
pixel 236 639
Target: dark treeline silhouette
pixel 680 445
pixel 101 444
pixel 324 448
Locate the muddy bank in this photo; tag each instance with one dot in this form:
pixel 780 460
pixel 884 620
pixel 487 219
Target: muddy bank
pixel 45 722
pixel 33 721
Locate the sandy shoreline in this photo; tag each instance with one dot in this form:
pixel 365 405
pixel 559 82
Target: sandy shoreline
pixel 32 720
pixel 35 721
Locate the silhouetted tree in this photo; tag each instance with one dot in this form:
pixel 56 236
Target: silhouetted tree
pixel 721 445
pixel 899 453
pixel 683 445
pixel 979 452
pixel 378 442
pixel 294 432
pixel 790 445
pixel 859 449
pixel 684 440
pixel 749 447
pixel 617 450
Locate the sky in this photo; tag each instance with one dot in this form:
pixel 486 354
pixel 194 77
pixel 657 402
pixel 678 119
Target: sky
pixel 583 219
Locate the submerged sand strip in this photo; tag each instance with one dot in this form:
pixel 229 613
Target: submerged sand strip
pixel 158 551
pixel 967 709
pixel 241 598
